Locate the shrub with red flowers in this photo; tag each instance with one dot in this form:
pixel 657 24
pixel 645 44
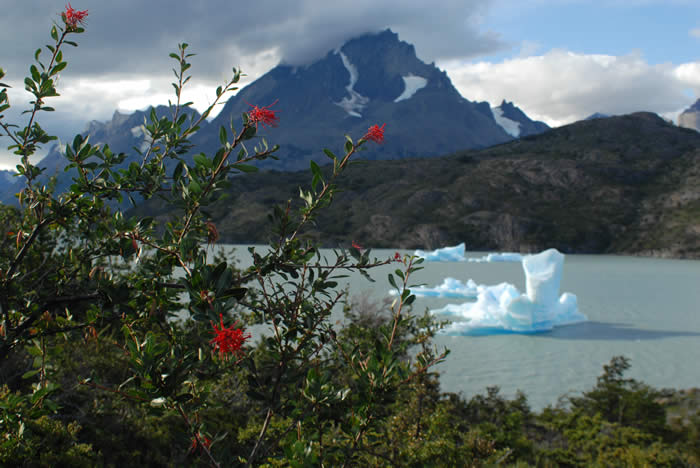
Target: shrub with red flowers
pixel 106 318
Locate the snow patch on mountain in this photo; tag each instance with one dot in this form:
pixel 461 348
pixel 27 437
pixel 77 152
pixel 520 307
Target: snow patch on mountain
pixel 412 83
pixel 510 126
pixel 137 131
pixel 354 104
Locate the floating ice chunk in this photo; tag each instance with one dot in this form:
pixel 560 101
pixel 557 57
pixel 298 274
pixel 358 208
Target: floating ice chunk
pixel 511 127
pixel 503 309
pixel 498 257
pixel 450 287
pixel 356 102
pixel 446 254
pixel 412 83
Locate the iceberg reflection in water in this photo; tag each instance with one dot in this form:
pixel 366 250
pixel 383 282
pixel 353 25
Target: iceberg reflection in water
pixel 503 308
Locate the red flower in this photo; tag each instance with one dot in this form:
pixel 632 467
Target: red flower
pixel 356 245
pixel 397 257
pixel 375 133
pixel 263 115
pixel 196 445
pixel 212 233
pixel 228 340
pixel 73 17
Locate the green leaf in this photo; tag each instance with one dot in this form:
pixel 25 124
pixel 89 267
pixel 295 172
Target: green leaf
pixel 246 168
pixel 177 173
pixel 238 293
pixel 36 76
pixel 60 66
pixel 222 135
pixel 201 160
pixel 392 281
pixel 330 154
pixel 195 187
pixel 249 133
pixel 315 169
pixel 54 33
pixel 29 85
pixel 31 373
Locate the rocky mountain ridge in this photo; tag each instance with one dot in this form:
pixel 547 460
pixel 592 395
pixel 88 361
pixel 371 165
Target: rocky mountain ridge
pixel 372 79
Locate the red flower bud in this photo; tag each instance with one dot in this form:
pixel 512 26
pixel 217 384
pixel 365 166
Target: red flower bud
pixel 375 133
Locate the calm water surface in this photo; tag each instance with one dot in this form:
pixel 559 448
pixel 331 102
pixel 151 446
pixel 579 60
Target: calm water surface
pixel 645 309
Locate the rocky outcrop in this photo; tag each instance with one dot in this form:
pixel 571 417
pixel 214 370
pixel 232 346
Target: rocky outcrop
pixel 690 118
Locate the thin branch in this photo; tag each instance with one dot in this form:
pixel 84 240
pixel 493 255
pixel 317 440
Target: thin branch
pixel 258 442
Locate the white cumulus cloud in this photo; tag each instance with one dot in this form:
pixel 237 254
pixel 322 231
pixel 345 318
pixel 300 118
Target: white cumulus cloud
pixel 560 86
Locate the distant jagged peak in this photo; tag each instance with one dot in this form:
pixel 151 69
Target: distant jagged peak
pixel 597 115
pixel 693 108
pixel 515 122
pixel 512 127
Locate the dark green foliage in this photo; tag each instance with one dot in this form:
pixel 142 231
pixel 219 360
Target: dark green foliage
pixel 626 402
pixel 125 343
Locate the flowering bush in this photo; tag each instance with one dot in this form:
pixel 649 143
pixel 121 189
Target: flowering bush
pixel 113 314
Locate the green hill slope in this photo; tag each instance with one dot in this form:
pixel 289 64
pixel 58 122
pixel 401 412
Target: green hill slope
pixel 625 184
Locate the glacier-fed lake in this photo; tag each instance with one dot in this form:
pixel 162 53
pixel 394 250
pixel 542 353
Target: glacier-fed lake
pixel 646 309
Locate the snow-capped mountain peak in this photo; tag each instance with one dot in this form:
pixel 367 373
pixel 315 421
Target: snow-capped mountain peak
pixel 511 127
pixel 515 122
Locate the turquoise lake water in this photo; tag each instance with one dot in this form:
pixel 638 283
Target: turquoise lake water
pixel 645 309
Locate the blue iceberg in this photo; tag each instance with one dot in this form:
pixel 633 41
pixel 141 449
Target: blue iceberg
pixel 446 254
pixel 498 257
pixel 504 309
pixel 450 287
pixel 456 254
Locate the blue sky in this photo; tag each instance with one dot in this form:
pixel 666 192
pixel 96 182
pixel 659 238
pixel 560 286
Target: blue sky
pixel 558 60
pixel 659 30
